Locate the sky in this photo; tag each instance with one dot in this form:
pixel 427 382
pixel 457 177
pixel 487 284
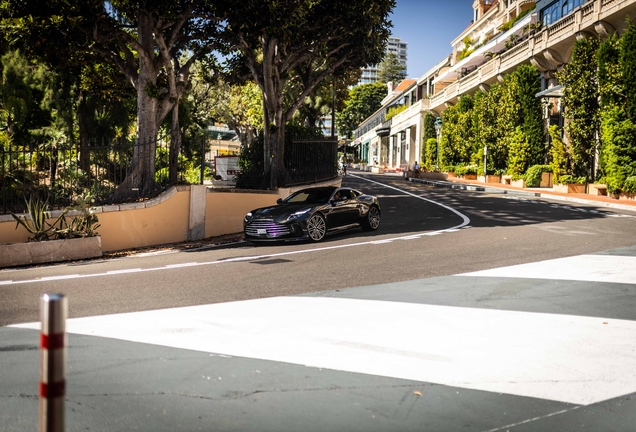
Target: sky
pixel 429 26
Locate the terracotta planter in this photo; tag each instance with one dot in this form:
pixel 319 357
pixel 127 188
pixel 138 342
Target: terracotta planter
pixel 521 183
pixel 489 179
pixel 597 189
pixel 569 188
pixel 469 176
pixel 434 175
pixel 16 254
pixel 546 179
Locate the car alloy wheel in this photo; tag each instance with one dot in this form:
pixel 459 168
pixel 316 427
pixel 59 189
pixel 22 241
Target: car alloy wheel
pixel 316 227
pixel 372 222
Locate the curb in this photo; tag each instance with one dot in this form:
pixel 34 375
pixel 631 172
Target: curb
pixel 494 190
pixel 474 188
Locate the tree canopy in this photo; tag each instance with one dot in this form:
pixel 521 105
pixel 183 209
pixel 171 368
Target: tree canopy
pixel 391 70
pixel 363 101
pixel 294 45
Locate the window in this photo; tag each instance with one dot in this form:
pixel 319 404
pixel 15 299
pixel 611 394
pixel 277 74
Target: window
pixel 558 9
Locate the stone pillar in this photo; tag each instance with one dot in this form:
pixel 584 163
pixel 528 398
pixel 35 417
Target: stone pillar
pixel 196 222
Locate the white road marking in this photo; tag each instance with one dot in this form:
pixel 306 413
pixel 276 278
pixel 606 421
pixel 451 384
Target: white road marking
pixel 133 270
pixel 465 222
pixel 572 359
pixel 50 278
pixel 590 268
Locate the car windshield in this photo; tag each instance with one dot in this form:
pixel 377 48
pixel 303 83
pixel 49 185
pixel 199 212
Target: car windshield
pixel 309 196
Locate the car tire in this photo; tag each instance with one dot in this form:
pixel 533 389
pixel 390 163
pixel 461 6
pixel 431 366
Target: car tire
pixel 316 227
pixel 371 221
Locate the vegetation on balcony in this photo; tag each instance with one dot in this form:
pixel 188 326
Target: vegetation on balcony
pixel 394 110
pixel 510 24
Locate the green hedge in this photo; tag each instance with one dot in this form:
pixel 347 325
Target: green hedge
pixel 533 175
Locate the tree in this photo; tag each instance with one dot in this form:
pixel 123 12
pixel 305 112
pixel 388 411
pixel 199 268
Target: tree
pixel 391 70
pixel 531 115
pixel 280 42
pixel 628 65
pixel 580 99
pixel 363 101
pixel 144 39
pixel 428 133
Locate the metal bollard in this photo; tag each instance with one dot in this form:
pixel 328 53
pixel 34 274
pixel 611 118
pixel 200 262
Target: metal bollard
pixel 53 311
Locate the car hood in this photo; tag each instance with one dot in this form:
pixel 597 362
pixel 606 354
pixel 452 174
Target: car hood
pixel 282 210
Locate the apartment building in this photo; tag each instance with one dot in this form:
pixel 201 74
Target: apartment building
pixel 503 35
pixel 396 46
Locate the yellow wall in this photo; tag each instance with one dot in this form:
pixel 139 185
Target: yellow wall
pixel 226 210
pixel 8 233
pixel 166 222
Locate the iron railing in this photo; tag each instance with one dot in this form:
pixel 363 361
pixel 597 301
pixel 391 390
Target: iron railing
pixel 61 173
pixel 307 161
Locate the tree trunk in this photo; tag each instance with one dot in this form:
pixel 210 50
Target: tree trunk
pixel 84 136
pixel 175 145
pixel 140 179
pixel 278 144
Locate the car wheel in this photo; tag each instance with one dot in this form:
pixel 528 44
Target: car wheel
pixel 316 227
pixel 372 221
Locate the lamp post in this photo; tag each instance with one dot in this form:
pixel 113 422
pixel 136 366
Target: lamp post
pixel 438 130
pixel 485 164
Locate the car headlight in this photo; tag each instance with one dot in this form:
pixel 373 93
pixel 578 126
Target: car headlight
pixel 298 214
pixel 248 217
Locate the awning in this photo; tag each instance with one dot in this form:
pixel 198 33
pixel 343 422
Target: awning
pixel 553 92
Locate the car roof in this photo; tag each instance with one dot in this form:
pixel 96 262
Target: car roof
pixel 322 188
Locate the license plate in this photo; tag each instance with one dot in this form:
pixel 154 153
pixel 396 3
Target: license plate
pixel 261 231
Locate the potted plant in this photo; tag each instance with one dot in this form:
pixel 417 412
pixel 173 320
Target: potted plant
pixel 570 184
pixel 60 240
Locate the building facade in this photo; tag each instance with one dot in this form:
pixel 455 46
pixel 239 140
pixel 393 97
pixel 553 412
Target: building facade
pixel 504 35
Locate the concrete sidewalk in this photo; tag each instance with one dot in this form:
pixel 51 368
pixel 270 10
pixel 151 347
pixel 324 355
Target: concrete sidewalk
pixel 601 201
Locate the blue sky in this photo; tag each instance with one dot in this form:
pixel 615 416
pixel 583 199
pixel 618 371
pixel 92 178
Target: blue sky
pixel 429 26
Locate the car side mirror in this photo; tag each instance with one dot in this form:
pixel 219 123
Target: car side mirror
pixel 279 200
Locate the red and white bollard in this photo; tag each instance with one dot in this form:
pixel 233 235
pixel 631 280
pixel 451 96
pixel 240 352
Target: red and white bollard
pixel 53 311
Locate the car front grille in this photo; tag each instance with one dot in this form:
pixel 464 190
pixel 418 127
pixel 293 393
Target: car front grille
pixel 272 229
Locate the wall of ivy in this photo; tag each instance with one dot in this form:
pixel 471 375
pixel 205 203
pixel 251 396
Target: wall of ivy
pixel 599 108
pixel 507 119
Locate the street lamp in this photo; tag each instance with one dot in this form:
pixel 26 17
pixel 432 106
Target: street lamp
pixel 438 130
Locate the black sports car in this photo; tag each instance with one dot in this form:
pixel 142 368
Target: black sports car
pixel 313 213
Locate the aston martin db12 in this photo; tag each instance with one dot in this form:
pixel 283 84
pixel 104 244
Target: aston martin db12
pixel 312 214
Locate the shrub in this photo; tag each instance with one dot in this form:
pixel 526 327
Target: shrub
pixel 618 135
pixel 430 159
pixel 518 152
pixel 559 152
pixel 533 175
pixel 568 179
pixel 630 184
pixel 467 169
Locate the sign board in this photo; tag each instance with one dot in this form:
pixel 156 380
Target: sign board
pixel 226 167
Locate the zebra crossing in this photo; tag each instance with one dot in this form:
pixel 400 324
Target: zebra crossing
pixel 579 357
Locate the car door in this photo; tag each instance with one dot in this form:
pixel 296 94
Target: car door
pixel 347 207
pixel 338 208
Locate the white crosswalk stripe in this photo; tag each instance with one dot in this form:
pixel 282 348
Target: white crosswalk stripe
pixel 566 358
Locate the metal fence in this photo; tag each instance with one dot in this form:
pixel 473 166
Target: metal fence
pixel 311 161
pixel 61 173
pixel 306 161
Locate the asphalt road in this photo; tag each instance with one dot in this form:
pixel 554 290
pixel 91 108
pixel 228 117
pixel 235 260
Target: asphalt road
pixel 421 325
pixel 497 231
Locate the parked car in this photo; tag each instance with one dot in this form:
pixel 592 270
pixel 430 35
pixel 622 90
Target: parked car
pixel 312 214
